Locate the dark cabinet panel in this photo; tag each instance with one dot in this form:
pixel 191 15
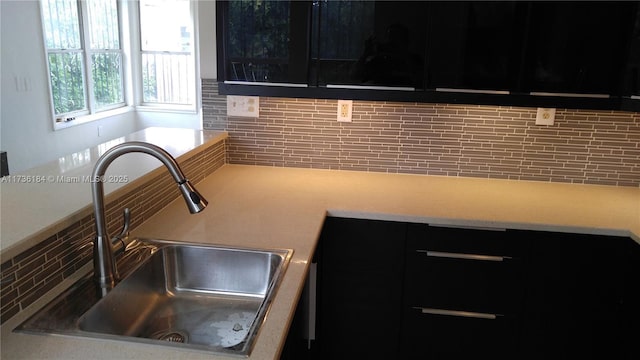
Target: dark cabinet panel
pixel 360 288
pixel 263 41
pixel 631 300
pixel 577 47
pixel 444 337
pixel 575 298
pixel 462 269
pixel 632 70
pixel 484 286
pixel 474 44
pixel 377 43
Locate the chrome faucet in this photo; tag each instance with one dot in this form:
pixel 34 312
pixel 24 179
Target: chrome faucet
pixel 104 266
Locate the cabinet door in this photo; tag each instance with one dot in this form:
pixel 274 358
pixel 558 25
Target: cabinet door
pixel 632 75
pixel 575 296
pixel 263 41
pixel 370 43
pixel 631 301
pixel 577 47
pixel 360 293
pixel 444 337
pixel 474 45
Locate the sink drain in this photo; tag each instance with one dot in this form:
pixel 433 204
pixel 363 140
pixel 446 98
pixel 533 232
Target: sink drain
pixel 170 336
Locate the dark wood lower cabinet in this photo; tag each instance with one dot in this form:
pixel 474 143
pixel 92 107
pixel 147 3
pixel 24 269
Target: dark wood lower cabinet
pixel 360 272
pixel 388 290
pixel 578 301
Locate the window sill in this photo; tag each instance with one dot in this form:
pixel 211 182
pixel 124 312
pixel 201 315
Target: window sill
pixel 83 119
pixel 181 109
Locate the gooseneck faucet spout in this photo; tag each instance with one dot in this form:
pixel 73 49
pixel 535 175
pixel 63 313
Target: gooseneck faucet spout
pixel 105 270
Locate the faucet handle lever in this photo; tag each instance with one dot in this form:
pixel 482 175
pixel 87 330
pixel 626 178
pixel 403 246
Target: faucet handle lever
pixel 126 215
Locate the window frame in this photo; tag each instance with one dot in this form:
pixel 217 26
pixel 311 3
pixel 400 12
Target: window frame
pixel 143 105
pixel 89 52
pixel 91 111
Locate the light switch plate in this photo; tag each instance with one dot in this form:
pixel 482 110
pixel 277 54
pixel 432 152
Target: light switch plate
pixel 243 106
pixel 545 116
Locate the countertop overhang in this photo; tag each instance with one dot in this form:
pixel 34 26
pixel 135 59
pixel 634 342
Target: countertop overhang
pixel 268 207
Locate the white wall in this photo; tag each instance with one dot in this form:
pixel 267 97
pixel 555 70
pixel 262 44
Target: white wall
pixel 207 38
pixel 26 129
pixel 169 119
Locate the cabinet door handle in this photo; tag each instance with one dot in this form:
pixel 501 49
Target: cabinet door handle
pixel 577 95
pixel 310 304
pixel 474 91
pixel 467 227
pixel 370 87
pixel 457 313
pixel 450 255
pixel 263 83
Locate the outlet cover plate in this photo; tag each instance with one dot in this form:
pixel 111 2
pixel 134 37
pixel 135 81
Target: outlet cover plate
pixel 345 108
pixel 243 106
pixel 545 116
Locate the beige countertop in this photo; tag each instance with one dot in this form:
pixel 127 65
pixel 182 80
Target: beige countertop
pixel 59 192
pixel 266 207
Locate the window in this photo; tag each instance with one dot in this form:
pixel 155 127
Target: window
pixel 167 61
pixel 84 53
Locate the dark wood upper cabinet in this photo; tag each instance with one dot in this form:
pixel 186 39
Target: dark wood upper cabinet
pixel 474 45
pixel 368 43
pixel 632 69
pixel 263 41
pixel 573 54
pixel 577 47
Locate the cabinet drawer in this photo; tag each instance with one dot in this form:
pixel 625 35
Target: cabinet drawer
pixel 464 284
pixel 496 242
pixel 429 335
pixel 462 269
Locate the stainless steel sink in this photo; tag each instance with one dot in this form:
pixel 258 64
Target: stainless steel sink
pixel 194 296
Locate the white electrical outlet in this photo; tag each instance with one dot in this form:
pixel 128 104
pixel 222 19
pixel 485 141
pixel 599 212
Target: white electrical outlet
pixel 244 106
pixel 545 116
pixel 345 108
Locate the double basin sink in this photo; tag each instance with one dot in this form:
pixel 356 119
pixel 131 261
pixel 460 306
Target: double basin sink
pixel 194 296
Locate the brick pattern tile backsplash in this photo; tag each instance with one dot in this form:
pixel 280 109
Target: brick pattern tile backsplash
pixel 591 147
pixel 30 274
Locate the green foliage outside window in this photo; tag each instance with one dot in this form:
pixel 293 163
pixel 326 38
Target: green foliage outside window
pixel 107 81
pixel 149 81
pixel 67 82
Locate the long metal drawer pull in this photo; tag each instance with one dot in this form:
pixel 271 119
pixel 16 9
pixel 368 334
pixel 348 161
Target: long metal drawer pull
pixel 369 87
pixel 450 255
pixel 467 314
pixel 263 83
pixel 467 227
pixel 577 95
pixel 474 91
